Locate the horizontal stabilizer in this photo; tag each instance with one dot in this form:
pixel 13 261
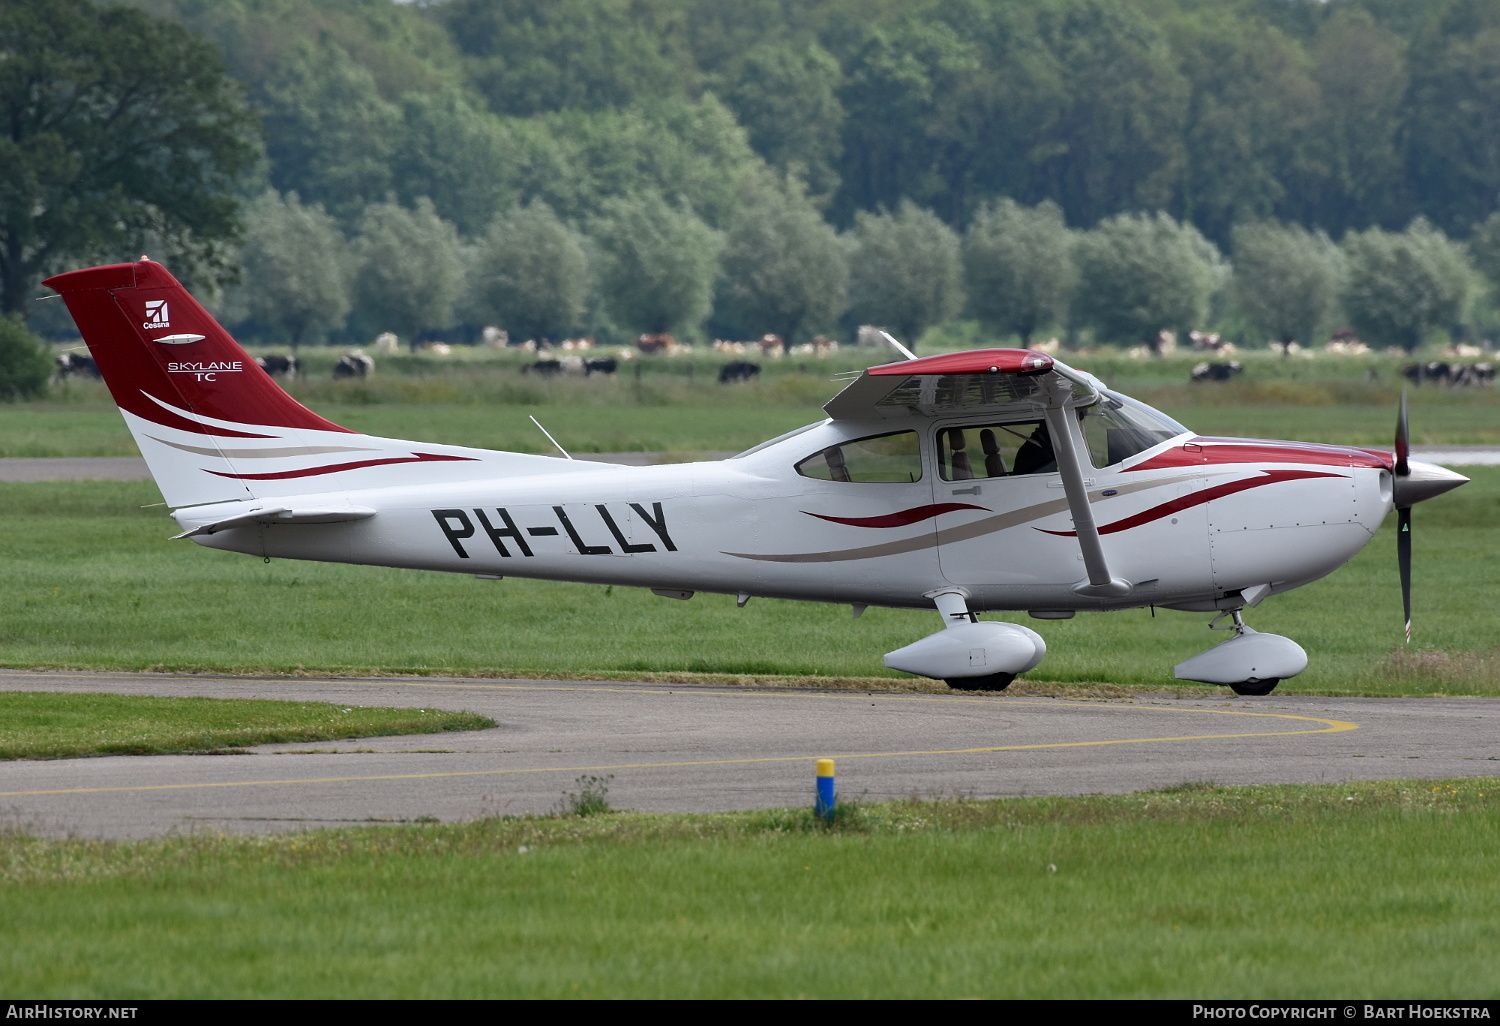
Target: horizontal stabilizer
pixel 242 517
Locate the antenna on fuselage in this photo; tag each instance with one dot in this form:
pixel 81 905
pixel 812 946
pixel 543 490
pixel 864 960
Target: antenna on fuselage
pixel 890 340
pixel 549 436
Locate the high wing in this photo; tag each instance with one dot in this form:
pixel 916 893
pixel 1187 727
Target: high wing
pixel 1003 382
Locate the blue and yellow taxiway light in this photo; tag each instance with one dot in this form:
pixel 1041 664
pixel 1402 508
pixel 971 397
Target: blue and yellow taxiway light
pixel 825 800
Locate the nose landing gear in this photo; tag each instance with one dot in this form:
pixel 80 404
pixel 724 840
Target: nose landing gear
pixel 1250 663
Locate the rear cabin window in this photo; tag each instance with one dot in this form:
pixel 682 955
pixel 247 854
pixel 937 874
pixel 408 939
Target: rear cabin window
pixel 881 459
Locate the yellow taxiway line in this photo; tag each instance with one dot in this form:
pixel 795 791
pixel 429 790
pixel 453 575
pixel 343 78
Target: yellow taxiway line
pixel 1328 726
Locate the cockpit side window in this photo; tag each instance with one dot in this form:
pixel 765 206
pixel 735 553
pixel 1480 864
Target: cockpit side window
pixel 994 450
pixel 881 459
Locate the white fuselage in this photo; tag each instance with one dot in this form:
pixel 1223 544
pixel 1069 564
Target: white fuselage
pixel 1185 535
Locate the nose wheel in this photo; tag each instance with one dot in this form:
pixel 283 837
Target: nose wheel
pixel 1255 687
pixel 1249 663
pixel 989 682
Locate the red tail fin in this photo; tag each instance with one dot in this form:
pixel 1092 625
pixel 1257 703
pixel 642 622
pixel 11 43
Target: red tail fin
pixel 152 341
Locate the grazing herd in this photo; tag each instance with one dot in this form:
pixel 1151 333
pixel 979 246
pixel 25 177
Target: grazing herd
pixel 1454 375
pixel 358 365
pixel 573 366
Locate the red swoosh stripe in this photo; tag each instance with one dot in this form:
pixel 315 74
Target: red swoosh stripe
pixel 904 517
pixel 420 457
pixel 1166 509
pixel 1249 450
pixel 167 419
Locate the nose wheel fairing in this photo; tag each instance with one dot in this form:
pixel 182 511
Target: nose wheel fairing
pixel 1249 663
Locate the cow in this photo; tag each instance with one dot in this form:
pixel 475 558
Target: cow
pixel 354 365
pixel 739 370
pixel 75 365
pixel 662 343
pixel 276 366
pixel 1217 371
pixel 1477 375
pixel 601 365
pixel 1420 373
pixel 550 367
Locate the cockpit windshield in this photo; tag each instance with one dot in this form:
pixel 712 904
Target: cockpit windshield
pixel 1118 427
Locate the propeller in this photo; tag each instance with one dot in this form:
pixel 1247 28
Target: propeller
pixel 1411 484
pixel 1403 514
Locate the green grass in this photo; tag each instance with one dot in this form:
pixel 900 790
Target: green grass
pixel 90 581
pixel 1196 892
pixel 62 726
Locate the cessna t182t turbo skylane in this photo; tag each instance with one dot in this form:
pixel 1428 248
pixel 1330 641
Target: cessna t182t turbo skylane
pixel 999 479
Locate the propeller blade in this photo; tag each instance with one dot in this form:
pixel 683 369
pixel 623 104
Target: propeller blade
pixel 1403 440
pixel 1403 560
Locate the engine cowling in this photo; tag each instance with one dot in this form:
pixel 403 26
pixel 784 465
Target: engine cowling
pixel 971 650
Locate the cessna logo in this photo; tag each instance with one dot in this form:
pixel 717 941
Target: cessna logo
pixel 206 371
pixel 156 314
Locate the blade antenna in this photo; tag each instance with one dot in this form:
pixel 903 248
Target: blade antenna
pixel 890 340
pixel 549 436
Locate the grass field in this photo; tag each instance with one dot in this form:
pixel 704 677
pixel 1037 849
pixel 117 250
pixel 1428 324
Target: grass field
pixel 92 582
pixel 63 726
pixel 1369 890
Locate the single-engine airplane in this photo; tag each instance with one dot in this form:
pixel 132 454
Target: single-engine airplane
pixel 998 479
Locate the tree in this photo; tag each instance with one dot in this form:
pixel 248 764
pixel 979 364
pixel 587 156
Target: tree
pixel 532 273
pixel 1484 250
pixel 1018 263
pixel 1286 279
pixel 296 274
pixel 1141 274
pixel 409 271
pixel 1361 71
pixel 783 268
pixel 114 128
pixel 330 136
pixel 1403 285
pixel 23 364
pixel 905 270
pixel 1117 143
pixel 1252 101
pixel 659 263
pixel 457 156
pixel 786 97
pixel 534 56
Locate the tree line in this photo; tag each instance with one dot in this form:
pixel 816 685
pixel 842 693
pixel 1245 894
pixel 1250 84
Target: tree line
pixel 765 166
pixel 644 266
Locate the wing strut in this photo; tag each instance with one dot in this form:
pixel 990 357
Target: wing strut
pixel 1067 442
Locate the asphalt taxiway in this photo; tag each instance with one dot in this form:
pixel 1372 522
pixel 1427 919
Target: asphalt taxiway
pixel 703 748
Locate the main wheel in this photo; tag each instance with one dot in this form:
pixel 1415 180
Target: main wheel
pixel 989 682
pixel 1255 687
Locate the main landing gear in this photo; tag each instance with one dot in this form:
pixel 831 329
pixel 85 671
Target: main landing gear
pixel 969 655
pixel 1250 663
